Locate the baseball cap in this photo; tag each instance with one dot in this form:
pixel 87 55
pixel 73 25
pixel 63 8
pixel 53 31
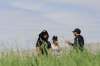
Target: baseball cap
pixel 77 30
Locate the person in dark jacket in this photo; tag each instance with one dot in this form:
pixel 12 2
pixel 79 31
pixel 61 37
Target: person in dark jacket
pixel 43 45
pixel 78 40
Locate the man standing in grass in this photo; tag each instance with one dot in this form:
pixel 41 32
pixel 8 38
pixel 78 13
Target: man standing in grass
pixel 78 40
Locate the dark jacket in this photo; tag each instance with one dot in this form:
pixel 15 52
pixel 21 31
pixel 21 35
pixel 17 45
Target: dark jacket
pixel 78 42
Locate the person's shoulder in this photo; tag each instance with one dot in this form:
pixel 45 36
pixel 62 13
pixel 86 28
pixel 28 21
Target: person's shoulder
pixel 81 37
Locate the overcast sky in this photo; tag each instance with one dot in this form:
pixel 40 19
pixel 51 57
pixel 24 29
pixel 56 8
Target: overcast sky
pixel 24 19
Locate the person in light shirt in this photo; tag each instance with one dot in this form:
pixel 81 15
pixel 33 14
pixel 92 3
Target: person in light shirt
pixel 55 45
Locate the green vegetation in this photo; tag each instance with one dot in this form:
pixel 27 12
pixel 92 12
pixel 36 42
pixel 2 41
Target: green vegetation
pixel 72 58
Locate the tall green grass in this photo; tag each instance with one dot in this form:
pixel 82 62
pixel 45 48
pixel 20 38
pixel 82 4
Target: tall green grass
pixel 72 58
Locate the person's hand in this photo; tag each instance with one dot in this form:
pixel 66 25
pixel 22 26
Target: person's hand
pixel 66 41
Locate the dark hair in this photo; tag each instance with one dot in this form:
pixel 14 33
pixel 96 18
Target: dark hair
pixel 42 34
pixel 55 38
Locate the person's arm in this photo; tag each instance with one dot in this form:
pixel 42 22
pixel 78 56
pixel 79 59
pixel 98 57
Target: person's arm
pixel 49 45
pixel 39 42
pixel 70 43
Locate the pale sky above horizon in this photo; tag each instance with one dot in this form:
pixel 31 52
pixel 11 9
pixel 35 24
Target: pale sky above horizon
pixel 26 18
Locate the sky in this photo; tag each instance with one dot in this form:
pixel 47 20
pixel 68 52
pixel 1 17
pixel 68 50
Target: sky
pixel 23 20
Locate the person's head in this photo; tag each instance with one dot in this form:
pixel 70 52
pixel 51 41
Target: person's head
pixel 55 40
pixel 76 31
pixel 44 35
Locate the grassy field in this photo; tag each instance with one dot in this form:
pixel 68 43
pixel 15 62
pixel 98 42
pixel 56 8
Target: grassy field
pixel 72 58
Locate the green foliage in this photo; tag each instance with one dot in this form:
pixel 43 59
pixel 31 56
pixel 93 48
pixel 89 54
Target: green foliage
pixel 74 58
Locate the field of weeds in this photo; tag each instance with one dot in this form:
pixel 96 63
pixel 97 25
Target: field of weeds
pixel 72 58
